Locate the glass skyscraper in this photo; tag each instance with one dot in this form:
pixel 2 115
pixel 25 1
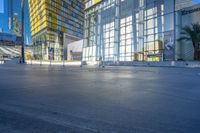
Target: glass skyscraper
pixel 51 22
pixel 130 30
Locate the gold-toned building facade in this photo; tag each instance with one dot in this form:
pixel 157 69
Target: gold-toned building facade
pixel 51 21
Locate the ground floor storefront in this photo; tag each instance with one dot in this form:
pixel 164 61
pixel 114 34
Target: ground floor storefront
pixel 51 45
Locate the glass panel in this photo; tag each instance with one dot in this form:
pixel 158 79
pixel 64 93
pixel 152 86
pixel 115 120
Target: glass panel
pixel 169 6
pixel 169 21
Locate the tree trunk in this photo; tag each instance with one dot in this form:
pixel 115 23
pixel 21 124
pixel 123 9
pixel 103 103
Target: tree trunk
pixel 196 51
pixel 195 54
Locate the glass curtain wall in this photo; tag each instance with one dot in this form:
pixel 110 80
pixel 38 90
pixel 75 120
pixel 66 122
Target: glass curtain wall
pixel 129 30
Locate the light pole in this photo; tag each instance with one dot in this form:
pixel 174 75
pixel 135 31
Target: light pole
pixel 22 33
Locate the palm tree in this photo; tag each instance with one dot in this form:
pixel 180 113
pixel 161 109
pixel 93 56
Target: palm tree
pixel 192 33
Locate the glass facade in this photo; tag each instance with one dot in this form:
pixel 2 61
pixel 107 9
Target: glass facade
pixel 129 30
pixel 50 19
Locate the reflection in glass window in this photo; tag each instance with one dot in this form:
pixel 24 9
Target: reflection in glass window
pixel 141 30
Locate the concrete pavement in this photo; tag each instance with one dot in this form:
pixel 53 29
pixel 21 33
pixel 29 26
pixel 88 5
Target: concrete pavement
pixel 115 99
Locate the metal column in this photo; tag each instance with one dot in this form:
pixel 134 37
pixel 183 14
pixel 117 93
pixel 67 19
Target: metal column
pixel 117 30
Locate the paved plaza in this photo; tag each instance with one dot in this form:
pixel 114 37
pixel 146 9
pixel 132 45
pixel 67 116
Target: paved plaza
pixel 56 99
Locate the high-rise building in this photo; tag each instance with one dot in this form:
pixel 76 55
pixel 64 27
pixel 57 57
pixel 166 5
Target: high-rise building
pixel 130 30
pixel 180 4
pixel 53 25
pixel 10 14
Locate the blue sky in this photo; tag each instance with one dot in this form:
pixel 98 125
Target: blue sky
pixel 4 21
pixel 196 1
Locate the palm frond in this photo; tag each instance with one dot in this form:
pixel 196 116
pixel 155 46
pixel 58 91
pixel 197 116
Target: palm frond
pixel 198 36
pixel 191 33
pixel 196 27
pixel 184 38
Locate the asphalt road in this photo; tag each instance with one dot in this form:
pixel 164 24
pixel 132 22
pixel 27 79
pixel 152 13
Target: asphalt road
pixel 42 99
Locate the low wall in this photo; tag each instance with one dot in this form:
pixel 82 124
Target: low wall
pixel 75 63
pixel 188 64
pixel 1 62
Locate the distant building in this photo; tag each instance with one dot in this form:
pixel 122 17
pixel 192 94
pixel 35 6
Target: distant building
pixel 16 25
pixel 180 4
pixel 9 45
pixel 54 24
pixel 9 39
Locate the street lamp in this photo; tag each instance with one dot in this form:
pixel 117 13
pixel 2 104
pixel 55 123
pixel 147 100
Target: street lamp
pixel 22 33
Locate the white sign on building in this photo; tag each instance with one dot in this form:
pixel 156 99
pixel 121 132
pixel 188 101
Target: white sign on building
pixel 187 17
